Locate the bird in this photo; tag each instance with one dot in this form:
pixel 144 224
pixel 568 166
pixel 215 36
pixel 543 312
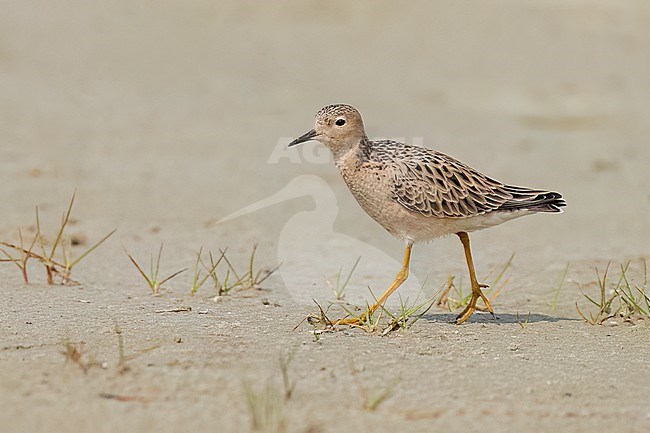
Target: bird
pixel 419 194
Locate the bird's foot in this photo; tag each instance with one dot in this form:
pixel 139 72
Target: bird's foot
pixel 346 321
pixel 353 321
pixel 471 306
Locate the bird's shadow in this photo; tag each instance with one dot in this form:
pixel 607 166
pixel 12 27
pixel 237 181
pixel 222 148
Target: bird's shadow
pixel 500 318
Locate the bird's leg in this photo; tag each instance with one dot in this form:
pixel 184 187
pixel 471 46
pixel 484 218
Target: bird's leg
pixel 402 275
pixel 476 286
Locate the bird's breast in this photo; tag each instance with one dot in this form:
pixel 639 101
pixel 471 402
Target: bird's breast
pixel 371 185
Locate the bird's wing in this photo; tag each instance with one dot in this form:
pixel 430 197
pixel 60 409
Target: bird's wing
pixel 435 184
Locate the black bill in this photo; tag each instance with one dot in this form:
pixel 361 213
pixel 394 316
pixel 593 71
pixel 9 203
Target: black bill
pixel 305 137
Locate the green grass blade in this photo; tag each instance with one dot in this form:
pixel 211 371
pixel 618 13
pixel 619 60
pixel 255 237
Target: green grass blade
pixel 137 266
pixel 64 223
pixel 91 249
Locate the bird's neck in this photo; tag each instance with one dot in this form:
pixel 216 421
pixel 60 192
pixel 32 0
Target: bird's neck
pixel 353 149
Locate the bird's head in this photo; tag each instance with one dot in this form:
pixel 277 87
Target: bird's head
pixel 339 127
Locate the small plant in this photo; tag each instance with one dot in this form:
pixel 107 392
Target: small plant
pixel 69 263
pixel 54 266
pixel 25 253
pixel 267 406
pixel 624 299
pixel 225 284
pixel 377 397
pixel 226 280
pixel 152 279
pixel 461 299
pixel 339 288
pixel 559 287
pixel 197 279
pixel 368 320
pixel 372 399
pixel 48 259
pixel 407 314
pixel 604 302
pixel 284 362
pixel 634 299
pixel 317 319
pixel 255 278
pixel 122 359
pixel 523 324
pixel 76 353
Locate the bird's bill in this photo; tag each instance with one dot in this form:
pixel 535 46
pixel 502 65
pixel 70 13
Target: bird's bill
pixel 305 137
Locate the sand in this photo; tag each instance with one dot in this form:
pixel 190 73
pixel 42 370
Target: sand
pixel 167 118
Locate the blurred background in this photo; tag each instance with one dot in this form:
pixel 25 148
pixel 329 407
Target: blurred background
pixel 176 114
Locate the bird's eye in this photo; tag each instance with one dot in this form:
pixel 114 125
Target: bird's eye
pixel 340 122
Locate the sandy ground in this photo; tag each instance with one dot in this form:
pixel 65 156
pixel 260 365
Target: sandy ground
pixel 168 118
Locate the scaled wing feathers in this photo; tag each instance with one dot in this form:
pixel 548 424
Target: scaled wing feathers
pixel 435 184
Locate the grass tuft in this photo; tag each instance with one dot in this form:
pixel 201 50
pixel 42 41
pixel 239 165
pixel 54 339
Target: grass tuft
pixel 267 405
pixel 123 358
pixel 624 299
pixel 25 253
pixel 220 271
pixel 556 295
pixel 339 288
pixel 197 278
pixel 223 274
pixel 76 353
pixel 56 258
pixel 373 398
pixel 523 324
pixel 408 314
pixel 152 280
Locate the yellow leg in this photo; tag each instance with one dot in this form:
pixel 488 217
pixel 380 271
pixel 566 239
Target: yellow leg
pixel 402 275
pixel 476 286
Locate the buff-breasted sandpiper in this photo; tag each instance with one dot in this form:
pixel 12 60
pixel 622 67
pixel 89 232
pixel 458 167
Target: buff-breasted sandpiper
pixel 418 194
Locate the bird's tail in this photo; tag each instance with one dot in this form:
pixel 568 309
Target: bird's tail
pixel 533 200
